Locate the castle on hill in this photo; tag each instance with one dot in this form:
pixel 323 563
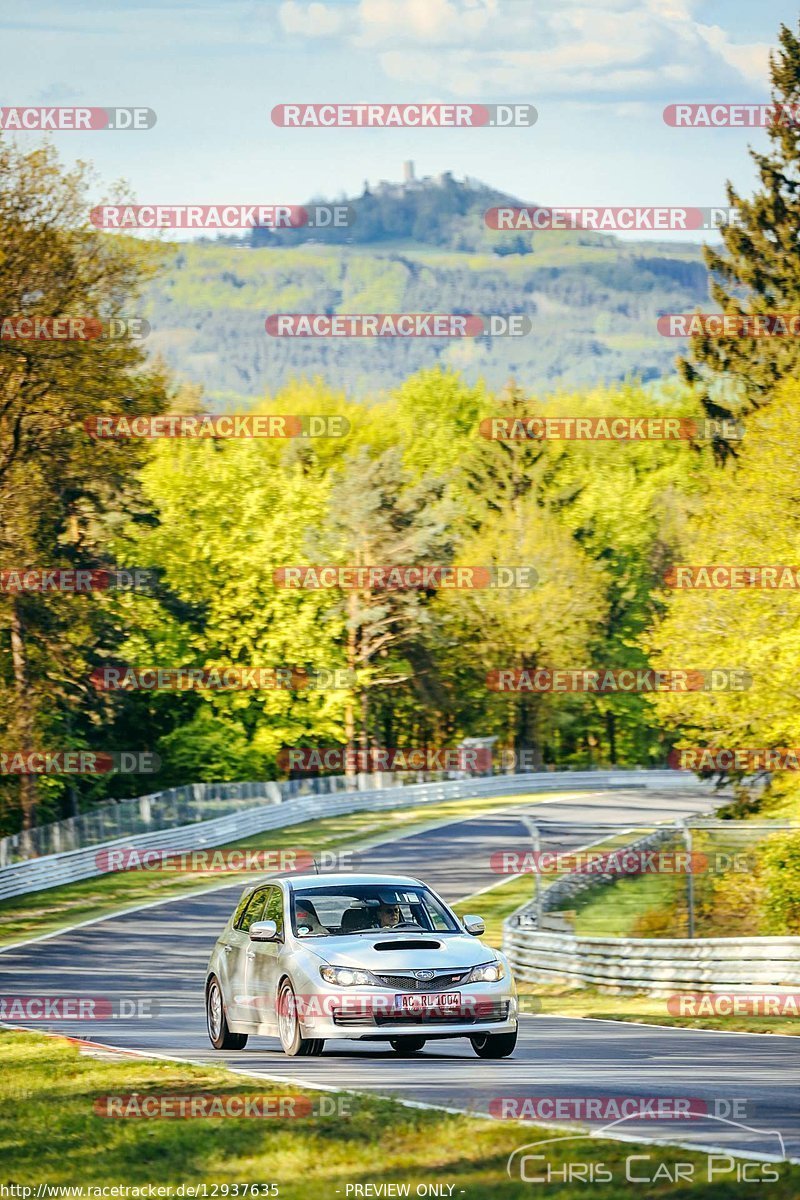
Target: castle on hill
pixel 410 183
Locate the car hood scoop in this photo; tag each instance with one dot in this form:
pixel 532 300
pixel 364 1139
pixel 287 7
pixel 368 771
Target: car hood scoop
pixel 409 944
pixel 396 952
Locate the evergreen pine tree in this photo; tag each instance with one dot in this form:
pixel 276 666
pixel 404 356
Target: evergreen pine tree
pixel 758 269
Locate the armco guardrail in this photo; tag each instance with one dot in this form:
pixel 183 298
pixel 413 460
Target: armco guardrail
pixel 658 965
pixel 162 810
pixel 53 870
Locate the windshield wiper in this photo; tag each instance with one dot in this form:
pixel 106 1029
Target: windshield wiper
pixel 401 932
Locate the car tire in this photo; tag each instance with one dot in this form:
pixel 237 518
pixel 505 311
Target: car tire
pixel 219 1034
pixel 407 1045
pixel 494 1045
pixel 289 1029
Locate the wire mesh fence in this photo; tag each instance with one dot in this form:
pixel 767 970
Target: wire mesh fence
pixel 169 809
pixel 697 878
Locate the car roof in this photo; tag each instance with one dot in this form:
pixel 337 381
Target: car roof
pixel 340 879
pixel 349 877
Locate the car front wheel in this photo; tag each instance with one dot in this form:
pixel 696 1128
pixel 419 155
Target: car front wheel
pixel 292 1040
pixel 218 1031
pixel 494 1045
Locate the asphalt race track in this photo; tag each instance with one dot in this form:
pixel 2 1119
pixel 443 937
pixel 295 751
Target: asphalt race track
pixel 751 1082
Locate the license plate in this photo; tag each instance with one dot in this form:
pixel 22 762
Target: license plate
pixel 422 1001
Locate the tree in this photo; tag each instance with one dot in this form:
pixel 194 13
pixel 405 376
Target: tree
pixel 231 513
pixel 758 271
pixel 381 516
pixel 510 501
pixel 551 624
pixel 59 491
pixel 749 517
pixel 629 507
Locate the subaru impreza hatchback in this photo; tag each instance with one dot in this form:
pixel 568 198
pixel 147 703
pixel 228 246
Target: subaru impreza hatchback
pixel 365 957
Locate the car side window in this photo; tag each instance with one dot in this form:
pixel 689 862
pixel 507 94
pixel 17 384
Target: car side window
pixel 253 912
pixel 240 907
pixel 437 920
pixel 273 909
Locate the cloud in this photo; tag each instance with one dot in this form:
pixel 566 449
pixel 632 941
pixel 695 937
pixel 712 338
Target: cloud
pixel 751 60
pixel 536 48
pixel 58 93
pixel 315 19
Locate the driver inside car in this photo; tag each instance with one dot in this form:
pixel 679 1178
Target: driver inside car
pixel 388 915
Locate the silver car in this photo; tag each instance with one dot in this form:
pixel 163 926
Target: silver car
pixel 375 957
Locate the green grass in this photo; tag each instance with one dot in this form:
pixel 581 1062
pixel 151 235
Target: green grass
pixel 646 1010
pixel 44 912
pixel 50 1133
pixel 656 905
pixel 495 905
pixel 612 910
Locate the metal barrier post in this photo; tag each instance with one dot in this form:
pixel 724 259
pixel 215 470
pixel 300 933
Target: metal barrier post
pixel 536 838
pixel 687 841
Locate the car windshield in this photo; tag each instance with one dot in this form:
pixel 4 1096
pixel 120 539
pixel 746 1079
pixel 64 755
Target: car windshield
pixel 364 908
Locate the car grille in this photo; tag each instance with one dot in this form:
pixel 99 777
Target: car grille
pixel 483 1014
pixel 497 1010
pixel 407 983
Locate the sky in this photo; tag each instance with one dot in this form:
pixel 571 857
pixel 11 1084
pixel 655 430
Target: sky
pixel 598 73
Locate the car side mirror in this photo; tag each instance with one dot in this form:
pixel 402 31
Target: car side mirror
pixel 263 931
pixel 474 925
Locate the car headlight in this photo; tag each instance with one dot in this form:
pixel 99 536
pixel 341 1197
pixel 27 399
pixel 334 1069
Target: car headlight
pixel 491 972
pixel 346 976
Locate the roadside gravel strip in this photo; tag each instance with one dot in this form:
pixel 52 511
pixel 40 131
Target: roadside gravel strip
pixel 746 1084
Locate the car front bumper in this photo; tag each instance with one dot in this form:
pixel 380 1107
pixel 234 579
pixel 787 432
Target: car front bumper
pixel 484 1008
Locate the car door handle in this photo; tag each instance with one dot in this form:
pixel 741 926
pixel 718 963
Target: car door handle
pixel 226 947
pixel 249 953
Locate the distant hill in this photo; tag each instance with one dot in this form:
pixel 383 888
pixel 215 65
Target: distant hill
pixel 422 247
pixel 435 211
